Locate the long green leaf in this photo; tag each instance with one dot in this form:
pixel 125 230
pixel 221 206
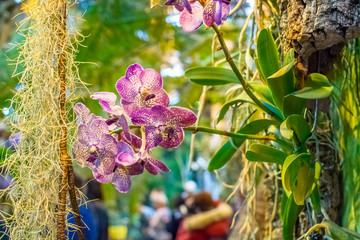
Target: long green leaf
pixel 281 84
pixel 262 91
pixel 290 213
pixel 316 86
pixel 295 124
pixel 267 54
pixel 225 153
pixel 211 76
pixel 264 153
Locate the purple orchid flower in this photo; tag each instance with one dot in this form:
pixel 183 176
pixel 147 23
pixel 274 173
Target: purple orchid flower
pixel 126 136
pixel 95 147
pixel 141 88
pixel 215 11
pixel 107 101
pixel 164 126
pixel 127 164
pixel 180 5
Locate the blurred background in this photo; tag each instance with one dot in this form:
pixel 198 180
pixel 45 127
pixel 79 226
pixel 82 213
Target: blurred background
pixel 118 33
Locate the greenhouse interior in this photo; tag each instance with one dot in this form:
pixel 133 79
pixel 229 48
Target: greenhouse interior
pixel 180 119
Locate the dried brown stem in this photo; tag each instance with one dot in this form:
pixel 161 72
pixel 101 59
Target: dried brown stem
pixel 73 201
pixel 67 178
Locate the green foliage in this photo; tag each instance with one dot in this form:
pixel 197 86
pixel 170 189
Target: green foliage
pixel 295 127
pixel 225 153
pixel 281 84
pixel 289 214
pixel 211 76
pixel 268 56
pixel 316 86
pixel 264 153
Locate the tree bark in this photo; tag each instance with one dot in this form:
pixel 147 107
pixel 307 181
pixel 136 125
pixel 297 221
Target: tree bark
pixel 313 25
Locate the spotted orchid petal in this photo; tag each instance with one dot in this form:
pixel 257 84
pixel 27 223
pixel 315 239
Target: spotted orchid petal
pixel 103 178
pixel 155 116
pixel 106 152
pixel 154 166
pixel 209 12
pixel 82 113
pixel 121 180
pixel 192 21
pixel 159 97
pixel 180 5
pixel 107 101
pixel 153 137
pixel 125 155
pixel 151 80
pixel 183 116
pixel 135 169
pixel 81 153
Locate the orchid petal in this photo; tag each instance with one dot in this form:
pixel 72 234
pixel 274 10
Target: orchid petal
pixel 225 11
pixel 154 166
pixel 81 153
pixel 151 80
pixel 135 169
pixel 108 97
pixel 218 12
pixel 121 180
pixel 153 137
pixel 155 116
pixel 209 13
pixel 106 178
pixel 192 21
pixel 183 116
pixel 126 89
pixel 82 113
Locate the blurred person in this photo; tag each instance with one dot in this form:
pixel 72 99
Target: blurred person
pixel 177 215
pixel 93 192
pixel 162 216
pixel 211 220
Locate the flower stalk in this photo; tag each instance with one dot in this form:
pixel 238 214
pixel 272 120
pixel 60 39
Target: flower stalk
pixel 242 81
pixel 215 131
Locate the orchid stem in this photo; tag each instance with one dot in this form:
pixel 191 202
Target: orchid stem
pixel 229 134
pixel 215 131
pixel 245 85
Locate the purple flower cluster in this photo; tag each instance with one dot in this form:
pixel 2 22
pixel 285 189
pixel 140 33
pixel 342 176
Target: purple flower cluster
pixel 194 14
pixel 109 148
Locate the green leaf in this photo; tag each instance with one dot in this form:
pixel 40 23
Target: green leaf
pixel 297 176
pixel 268 56
pixel 295 124
pixel 289 57
pixel 263 153
pixel 281 84
pixel 316 86
pixel 225 153
pixel 290 213
pixel 243 98
pixel 211 76
pixel 293 105
pixel 262 91
pixel 272 108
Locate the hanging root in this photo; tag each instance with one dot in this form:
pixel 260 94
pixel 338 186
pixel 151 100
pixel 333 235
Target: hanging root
pixel 35 165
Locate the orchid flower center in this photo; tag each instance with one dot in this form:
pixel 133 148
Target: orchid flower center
pixel 93 149
pixel 144 91
pixel 168 131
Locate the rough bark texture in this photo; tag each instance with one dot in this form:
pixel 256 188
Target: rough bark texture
pixel 313 25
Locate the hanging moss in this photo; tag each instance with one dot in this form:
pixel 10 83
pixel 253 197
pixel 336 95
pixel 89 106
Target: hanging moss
pixel 35 165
